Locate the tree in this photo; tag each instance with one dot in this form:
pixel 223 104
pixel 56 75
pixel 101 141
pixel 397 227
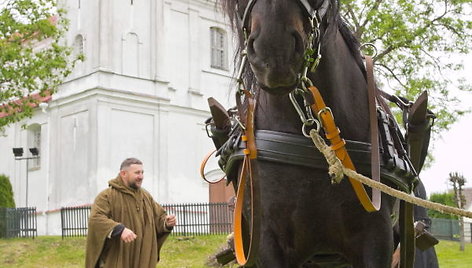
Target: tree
pixel 445 199
pixel 458 182
pixel 415 41
pixel 33 60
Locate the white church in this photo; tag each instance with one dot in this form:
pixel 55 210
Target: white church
pixel 142 91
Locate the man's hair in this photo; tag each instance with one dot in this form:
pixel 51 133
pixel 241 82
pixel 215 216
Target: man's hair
pixel 130 161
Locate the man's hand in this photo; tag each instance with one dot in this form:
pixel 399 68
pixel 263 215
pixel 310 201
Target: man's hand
pixel 171 221
pixel 128 236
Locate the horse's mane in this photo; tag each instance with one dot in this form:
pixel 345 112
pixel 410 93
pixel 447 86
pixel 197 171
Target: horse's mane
pixel 230 8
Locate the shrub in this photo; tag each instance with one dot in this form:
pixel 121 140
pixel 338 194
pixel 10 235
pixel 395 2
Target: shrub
pixel 6 193
pixel 6 201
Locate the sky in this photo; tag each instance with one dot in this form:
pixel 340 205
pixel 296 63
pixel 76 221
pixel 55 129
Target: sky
pixel 453 152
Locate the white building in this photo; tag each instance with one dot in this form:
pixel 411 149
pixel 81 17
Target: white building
pixel 150 67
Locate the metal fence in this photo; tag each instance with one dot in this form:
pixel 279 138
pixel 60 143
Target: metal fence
pixel 201 218
pixel 447 229
pixel 192 219
pixel 18 222
pixel 74 221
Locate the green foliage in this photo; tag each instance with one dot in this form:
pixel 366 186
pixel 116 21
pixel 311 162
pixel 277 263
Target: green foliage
pixel 415 42
pixel 6 193
pixel 6 201
pixel 32 58
pixel 445 199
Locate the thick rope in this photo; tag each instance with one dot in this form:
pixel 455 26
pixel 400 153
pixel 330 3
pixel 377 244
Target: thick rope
pixel 337 171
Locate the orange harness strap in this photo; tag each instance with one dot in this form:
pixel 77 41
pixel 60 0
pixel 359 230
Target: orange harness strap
pixel 246 171
pixel 338 145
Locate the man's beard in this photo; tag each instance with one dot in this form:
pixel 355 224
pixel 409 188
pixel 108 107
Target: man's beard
pixel 134 186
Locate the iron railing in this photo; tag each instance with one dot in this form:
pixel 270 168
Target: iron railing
pixel 447 229
pixel 192 219
pixel 74 221
pixel 201 218
pixel 18 222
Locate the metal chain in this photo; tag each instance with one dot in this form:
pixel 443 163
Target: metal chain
pixel 307 117
pixel 312 59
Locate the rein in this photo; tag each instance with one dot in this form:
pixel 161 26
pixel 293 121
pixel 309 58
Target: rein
pixel 246 172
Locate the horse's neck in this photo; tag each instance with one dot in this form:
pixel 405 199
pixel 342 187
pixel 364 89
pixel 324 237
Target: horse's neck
pixel 343 87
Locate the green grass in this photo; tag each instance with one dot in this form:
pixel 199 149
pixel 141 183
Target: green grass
pixel 178 252
pixel 44 251
pixel 450 256
pixel 53 252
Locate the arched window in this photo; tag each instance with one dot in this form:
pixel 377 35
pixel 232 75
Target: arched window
pixel 78 45
pixel 34 141
pixel 218 48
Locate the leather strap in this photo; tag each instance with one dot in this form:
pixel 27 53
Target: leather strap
pixel 203 165
pixel 246 172
pixel 337 144
pixel 407 235
pixel 297 150
pixel 374 130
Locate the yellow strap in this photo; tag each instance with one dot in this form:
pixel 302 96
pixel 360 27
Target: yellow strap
pixel 250 152
pixel 241 256
pixel 337 144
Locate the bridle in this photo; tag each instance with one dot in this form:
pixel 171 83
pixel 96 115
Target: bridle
pixel 309 10
pixel 312 53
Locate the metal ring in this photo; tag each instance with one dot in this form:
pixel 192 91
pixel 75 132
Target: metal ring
pixel 369 45
pixel 317 128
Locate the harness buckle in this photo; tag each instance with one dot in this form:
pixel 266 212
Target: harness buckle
pixel 322 111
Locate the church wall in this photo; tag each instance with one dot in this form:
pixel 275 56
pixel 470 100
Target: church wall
pixel 141 92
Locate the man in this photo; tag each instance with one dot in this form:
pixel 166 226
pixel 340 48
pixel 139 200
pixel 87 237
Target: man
pixel 127 228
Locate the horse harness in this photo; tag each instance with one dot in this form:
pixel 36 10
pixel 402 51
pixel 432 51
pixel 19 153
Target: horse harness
pixel 240 142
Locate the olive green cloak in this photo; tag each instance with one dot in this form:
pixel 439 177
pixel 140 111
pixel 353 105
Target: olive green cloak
pixel 137 211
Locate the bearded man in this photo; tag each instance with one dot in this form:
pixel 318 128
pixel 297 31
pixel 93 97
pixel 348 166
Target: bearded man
pixel 127 228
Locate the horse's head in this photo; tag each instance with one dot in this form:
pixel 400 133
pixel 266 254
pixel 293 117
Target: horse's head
pixel 277 39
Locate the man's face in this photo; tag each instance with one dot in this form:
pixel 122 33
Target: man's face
pixel 133 176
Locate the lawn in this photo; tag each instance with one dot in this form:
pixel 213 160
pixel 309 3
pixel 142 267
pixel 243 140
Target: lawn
pixel 450 256
pixel 53 252
pixel 178 252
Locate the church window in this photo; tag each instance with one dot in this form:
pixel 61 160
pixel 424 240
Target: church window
pixel 79 45
pixel 34 141
pixel 218 48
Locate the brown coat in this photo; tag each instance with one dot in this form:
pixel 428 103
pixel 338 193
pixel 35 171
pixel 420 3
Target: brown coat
pixel 137 210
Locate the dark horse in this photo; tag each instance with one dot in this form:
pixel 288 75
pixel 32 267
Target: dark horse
pixel 305 220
